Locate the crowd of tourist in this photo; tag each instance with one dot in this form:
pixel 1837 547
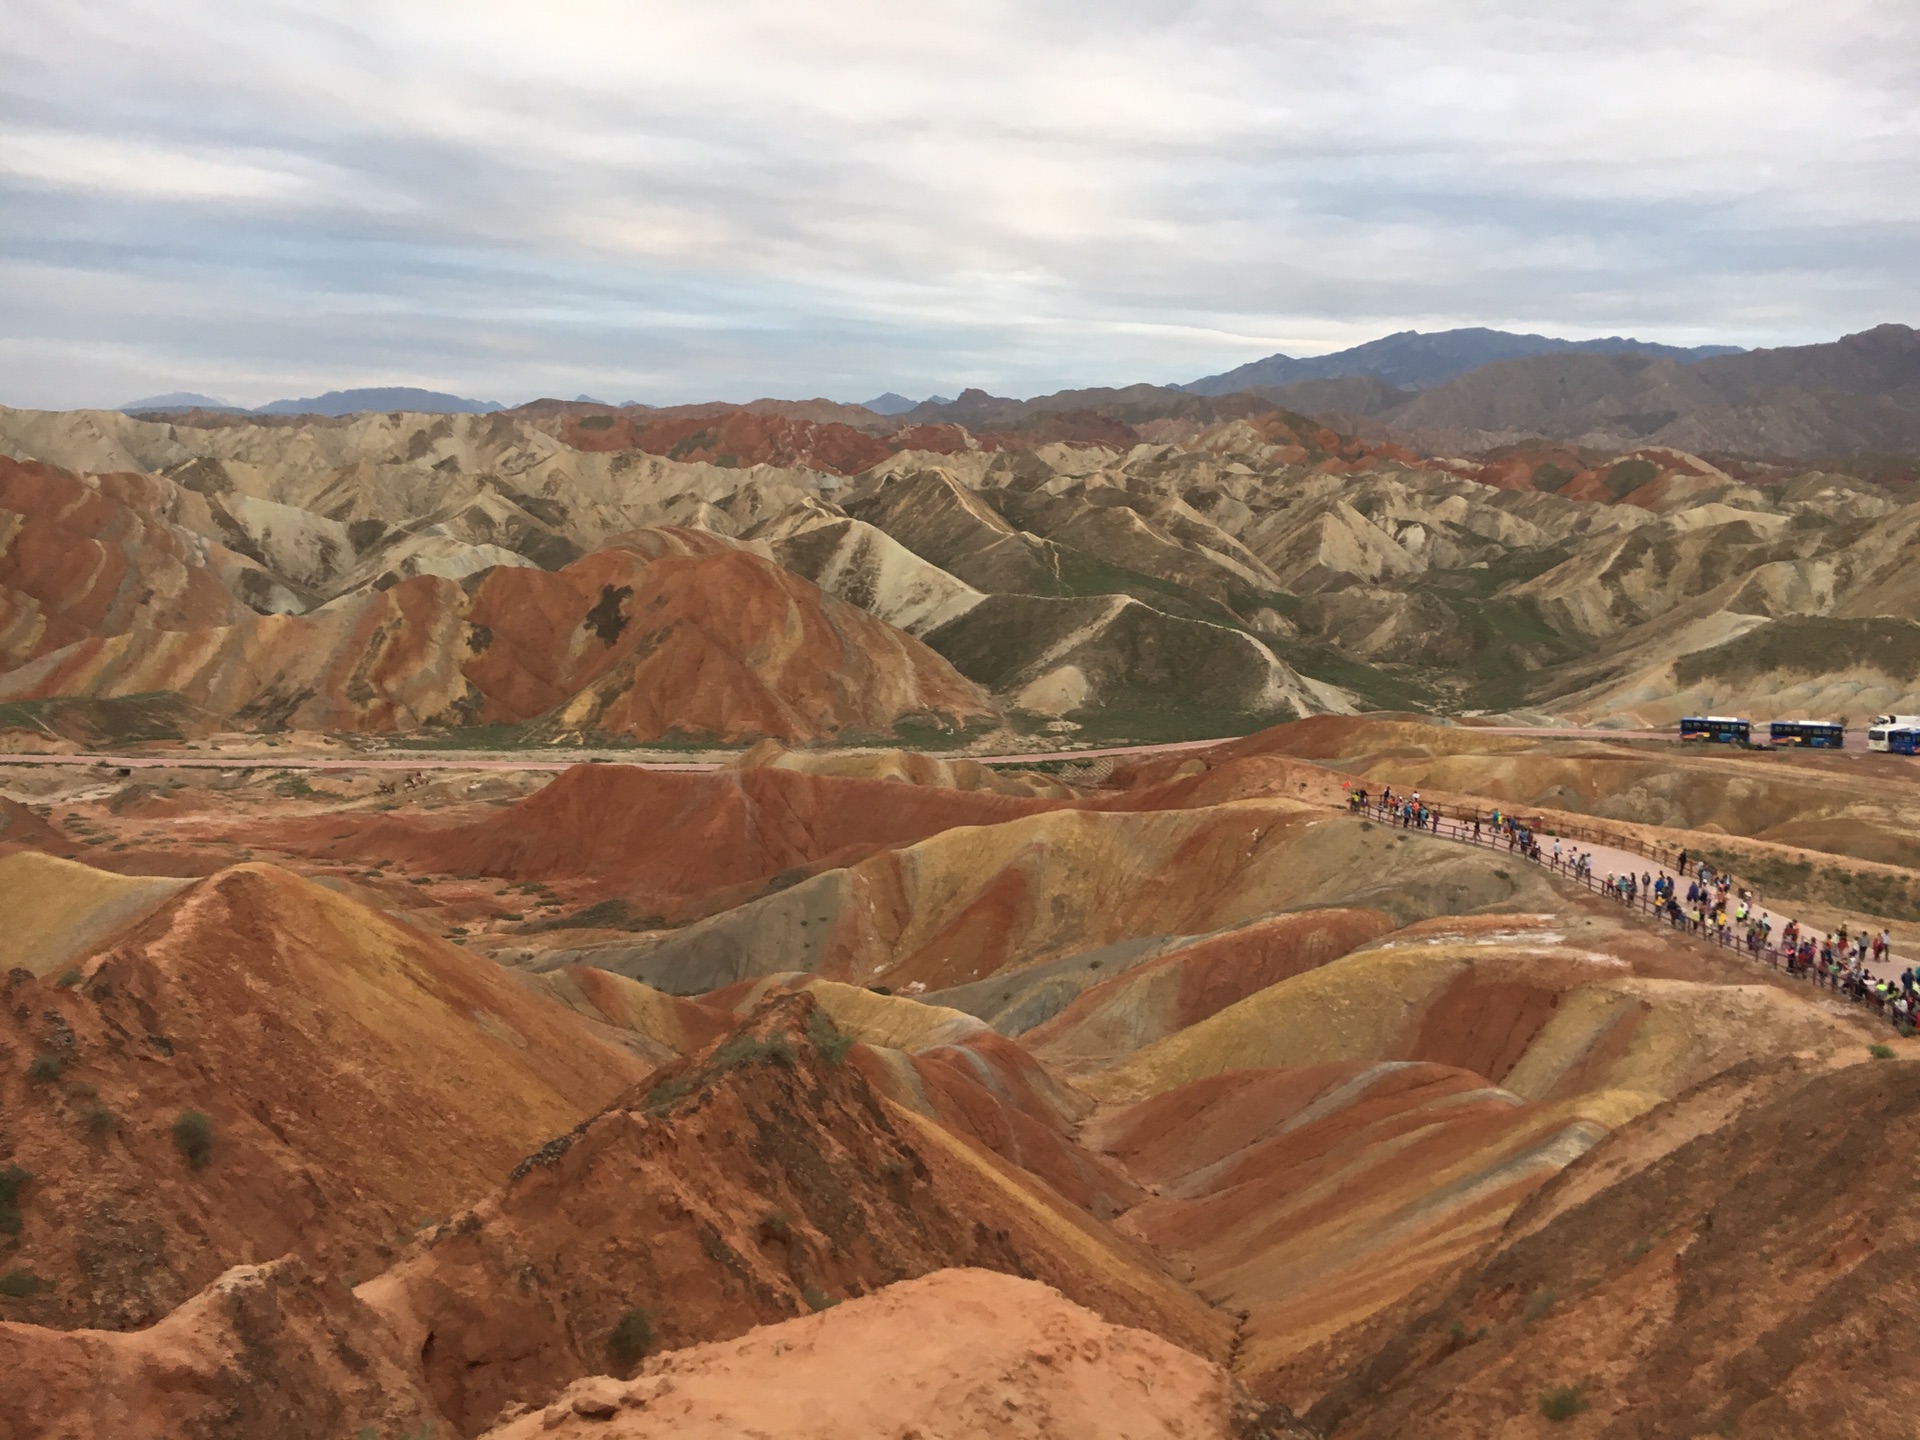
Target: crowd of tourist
pixel 1713 906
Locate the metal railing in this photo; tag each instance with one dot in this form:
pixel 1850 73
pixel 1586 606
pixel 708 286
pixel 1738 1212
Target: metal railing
pixel 1522 839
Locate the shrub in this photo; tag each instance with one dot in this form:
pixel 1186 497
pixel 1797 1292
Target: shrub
pixel 193 1138
pixel 662 1097
pixel 776 1223
pixel 22 1284
pixel 630 1339
pixel 1549 476
pixel 69 979
pixel 100 1121
pixel 818 1299
pixel 751 1050
pixel 827 1037
pixel 1563 1402
pixel 1880 1052
pixel 46 1067
pixel 12 1181
pixel 1539 1304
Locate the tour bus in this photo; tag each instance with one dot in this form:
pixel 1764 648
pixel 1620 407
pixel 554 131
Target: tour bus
pixel 1883 726
pixel 1717 729
pixel 1814 734
pixel 1903 741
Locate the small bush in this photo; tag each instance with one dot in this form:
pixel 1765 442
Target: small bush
pixel 818 1299
pixel 22 1284
pixel 12 1181
pixel 750 1050
pixel 776 1223
pixel 1639 1248
pixel 101 1121
pixel 193 1138
pixel 1563 1402
pixel 827 1037
pixel 69 979
pixel 46 1067
pixel 630 1339
pixel 662 1097
pixel 1539 1304
pixel 1880 1052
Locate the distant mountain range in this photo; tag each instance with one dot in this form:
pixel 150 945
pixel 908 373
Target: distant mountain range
pixel 1859 394
pixel 1850 396
pixel 379 399
pixel 1413 361
pixel 181 400
pixel 896 404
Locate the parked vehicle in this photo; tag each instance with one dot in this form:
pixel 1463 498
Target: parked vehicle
pixel 1813 734
pixel 1880 730
pixel 1717 729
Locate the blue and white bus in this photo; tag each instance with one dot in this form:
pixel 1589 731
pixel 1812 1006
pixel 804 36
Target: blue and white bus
pixel 1884 725
pixel 1813 734
pixel 1903 742
pixel 1716 729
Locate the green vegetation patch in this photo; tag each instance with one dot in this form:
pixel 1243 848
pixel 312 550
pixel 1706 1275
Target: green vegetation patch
pixel 1083 576
pixel 1510 644
pixel 1626 476
pixel 13 1180
pixel 1809 645
pixel 1376 688
pixel 828 1038
pixel 630 1339
pixel 193 1138
pixel 154 715
pixel 1151 721
pixel 614 914
pixel 928 733
pixel 1563 1402
pixel 22 1284
pixel 1550 477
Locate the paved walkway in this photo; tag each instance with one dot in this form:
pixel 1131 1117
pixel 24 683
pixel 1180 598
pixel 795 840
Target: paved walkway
pixel 1616 861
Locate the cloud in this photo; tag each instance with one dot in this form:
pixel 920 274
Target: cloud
pixel 740 198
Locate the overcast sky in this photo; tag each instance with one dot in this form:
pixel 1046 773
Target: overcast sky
pixel 703 199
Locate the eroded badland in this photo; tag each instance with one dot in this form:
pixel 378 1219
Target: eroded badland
pixel 794 1064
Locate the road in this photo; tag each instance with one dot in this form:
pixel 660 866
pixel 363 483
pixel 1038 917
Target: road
pixel 430 760
pixel 441 760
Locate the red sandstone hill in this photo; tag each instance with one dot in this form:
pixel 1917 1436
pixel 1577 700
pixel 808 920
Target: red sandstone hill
pixel 758 1180
pixel 1736 1263
pixel 357 1076
pixel 672 843
pixel 99 556
pixel 730 436
pixel 667 630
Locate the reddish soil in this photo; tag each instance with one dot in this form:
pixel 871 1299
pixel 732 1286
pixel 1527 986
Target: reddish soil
pixel 79 559
pixel 1757 1280
pixel 666 631
pixel 986 1355
pixel 1152 1000
pixel 673 844
pixel 735 438
pixel 737 1188
pixel 355 1075
pixel 689 633
pixel 274 1350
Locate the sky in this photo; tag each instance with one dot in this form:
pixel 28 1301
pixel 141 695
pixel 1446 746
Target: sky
pixel 724 199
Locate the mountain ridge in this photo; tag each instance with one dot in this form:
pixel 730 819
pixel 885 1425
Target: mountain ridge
pixel 1409 359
